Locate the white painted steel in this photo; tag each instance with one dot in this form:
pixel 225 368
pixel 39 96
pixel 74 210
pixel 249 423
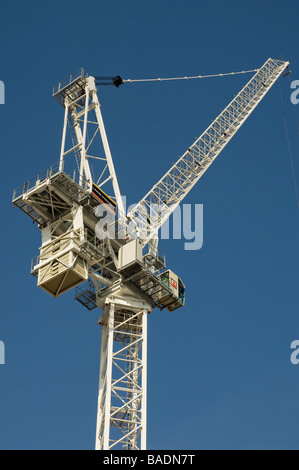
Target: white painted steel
pixel 168 193
pixel 83 116
pixel 122 402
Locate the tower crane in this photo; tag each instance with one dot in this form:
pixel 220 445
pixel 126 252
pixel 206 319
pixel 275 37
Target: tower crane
pixel 124 275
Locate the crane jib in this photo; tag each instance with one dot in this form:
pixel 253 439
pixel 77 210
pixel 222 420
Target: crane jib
pixel 103 197
pixel 173 187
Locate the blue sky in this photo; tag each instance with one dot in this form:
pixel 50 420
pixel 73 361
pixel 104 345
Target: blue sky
pixel 220 375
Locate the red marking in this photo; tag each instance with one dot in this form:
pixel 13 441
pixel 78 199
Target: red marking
pixel 105 204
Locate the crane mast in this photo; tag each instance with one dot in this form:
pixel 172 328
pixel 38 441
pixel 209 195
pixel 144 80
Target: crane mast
pixel 124 276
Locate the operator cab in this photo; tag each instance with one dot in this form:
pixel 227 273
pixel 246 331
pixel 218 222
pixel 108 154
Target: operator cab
pixel 173 297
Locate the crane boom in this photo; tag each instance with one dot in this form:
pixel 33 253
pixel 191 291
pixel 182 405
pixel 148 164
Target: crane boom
pixel 159 203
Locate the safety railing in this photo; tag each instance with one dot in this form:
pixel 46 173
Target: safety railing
pixel 64 83
pixel 92 241
pixel 153 257
pixel 60 167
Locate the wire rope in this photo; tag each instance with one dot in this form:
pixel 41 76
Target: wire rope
pixel 129 80
pixel 289 145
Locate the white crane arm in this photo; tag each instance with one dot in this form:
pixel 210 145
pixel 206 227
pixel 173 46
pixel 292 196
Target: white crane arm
pixel 154 209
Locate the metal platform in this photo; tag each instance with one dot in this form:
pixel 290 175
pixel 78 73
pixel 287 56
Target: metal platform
pixel 86 295
pixel 151 287
pixel 51 193
pixel 71 87
pixel 161 294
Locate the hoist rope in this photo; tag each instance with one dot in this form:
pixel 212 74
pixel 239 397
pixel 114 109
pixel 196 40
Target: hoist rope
pixel 129 80
pixel 294 107
pixel 289 145
pixel 296 118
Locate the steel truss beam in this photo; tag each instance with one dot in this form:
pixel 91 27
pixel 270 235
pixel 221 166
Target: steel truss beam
pixel 156 207
pixel 121 419
pixel 83 119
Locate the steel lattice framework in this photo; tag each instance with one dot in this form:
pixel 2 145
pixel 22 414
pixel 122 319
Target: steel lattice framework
pixel 168 193
pixel 84 122
pixel 121 419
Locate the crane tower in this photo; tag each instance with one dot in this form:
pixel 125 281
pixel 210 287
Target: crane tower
pixel 116 265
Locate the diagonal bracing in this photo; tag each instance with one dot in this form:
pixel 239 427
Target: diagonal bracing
pixel 158 204
pixel 121 422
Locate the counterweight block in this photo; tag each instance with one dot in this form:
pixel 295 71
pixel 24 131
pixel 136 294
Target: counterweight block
pixel 60 266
